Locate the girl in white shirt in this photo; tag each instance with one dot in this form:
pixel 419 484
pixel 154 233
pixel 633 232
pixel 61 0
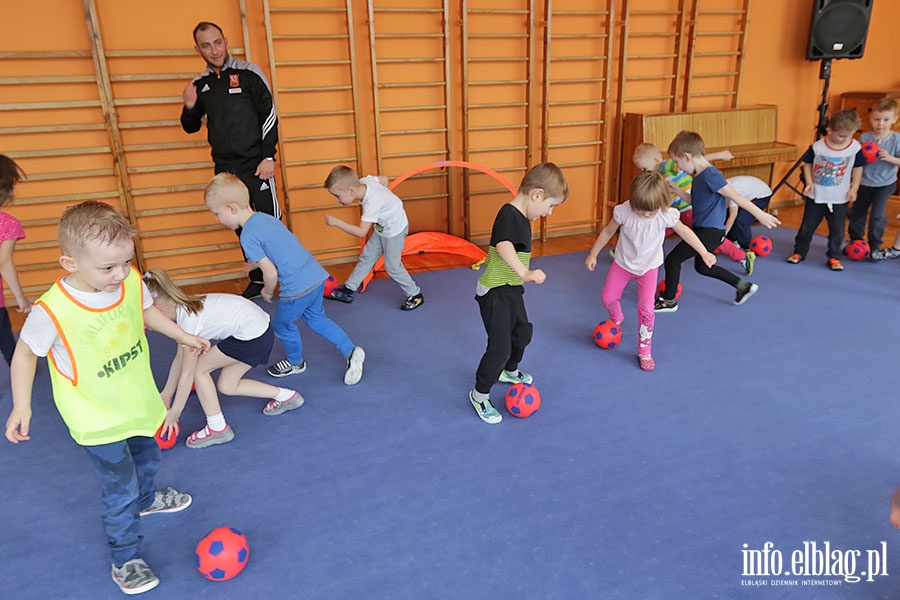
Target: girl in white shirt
pixel 245 340
pixel 639 252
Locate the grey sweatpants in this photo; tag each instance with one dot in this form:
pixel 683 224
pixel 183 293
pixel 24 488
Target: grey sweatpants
pixel 392 249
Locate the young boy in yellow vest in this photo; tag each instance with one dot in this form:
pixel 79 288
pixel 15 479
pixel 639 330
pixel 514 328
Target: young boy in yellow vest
pixel 90 324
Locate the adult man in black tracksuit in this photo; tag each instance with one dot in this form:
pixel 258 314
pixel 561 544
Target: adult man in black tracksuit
pixel 242 127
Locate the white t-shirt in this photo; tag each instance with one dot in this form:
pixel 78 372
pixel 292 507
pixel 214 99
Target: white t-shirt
pixel 750 187
pixel 640 245
pixel 383 208
pixel 225 315
pixel 40 334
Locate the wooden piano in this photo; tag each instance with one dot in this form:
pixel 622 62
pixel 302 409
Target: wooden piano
pixel 748 132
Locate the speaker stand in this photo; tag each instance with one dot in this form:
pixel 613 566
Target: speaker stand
pixel 824 74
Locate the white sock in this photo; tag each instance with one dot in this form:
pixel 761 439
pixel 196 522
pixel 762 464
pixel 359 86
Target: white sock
pixel 512 373
pixel 479 397
pixel 216 422
pixel 284 394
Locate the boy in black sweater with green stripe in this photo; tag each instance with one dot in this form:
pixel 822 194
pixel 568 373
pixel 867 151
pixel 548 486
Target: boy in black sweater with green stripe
pixel 499 292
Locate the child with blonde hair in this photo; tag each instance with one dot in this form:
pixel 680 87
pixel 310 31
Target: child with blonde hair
pixel 641 221
pixel 878 181
pixel 244 340
pixel 90 324
pixel 382 211
pixel 286 262
pixel 10 232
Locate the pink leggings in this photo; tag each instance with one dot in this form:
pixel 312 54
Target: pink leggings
pixel 616 280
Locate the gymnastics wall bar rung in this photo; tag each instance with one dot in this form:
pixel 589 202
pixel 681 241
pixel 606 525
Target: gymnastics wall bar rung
pixel 72 198
pixel 416 131
pixel 47 79
pixel 168 189
pixel 51 128
pixel 71 174
pixel 172 210
pixel 171 167
pixel 207 248
pixel 150 124
pixel 17 106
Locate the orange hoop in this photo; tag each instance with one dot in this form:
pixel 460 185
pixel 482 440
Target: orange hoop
pixel 455 163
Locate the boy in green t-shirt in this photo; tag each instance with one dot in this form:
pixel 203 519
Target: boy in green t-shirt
pixel 90 324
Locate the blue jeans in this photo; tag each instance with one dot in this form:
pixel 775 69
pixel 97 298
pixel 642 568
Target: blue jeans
pixel 309 309
pixel 127 470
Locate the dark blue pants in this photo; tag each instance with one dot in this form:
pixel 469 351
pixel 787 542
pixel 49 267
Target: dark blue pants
pixel 740 230
pixel 127 470
pixel 876 199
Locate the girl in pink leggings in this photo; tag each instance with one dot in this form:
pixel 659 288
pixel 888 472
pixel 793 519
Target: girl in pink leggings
pixel 641 222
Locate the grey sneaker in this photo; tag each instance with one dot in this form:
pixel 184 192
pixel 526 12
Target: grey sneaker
pixel 207 437
pixel 485 410
pixel 276 407
pixel 168 501
pixel 283 368
pixel 517 377
pixel 134 577
pixel 883 253
pixel 355 366
pixel 744 293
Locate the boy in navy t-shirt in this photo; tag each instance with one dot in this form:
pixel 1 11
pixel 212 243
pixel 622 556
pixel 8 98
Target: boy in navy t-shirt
pixel 709 198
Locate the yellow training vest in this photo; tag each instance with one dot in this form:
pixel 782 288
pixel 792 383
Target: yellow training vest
pixel 112 394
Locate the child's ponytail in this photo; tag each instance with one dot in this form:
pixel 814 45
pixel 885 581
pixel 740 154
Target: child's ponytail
pixel 160 284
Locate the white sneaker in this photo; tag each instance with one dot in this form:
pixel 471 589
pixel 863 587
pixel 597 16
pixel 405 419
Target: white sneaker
pixel 486 411
pixel 355 366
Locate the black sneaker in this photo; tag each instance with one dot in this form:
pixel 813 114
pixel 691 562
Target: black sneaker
pixel 254 290
pixel 413 302
pixel 342 294
pixel 284 367
pixel 663 306
pixel 744 293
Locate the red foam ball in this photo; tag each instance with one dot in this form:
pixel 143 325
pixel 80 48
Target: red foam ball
pixel 607 334
pixel 330 284
pixel 166 443
pixel 662 288
pixel 761 245
pixel 858 250
pixel 222 554
pixel 870 150
pixel 522 400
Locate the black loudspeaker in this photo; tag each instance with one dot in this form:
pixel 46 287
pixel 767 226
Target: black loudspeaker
pixel 838 28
